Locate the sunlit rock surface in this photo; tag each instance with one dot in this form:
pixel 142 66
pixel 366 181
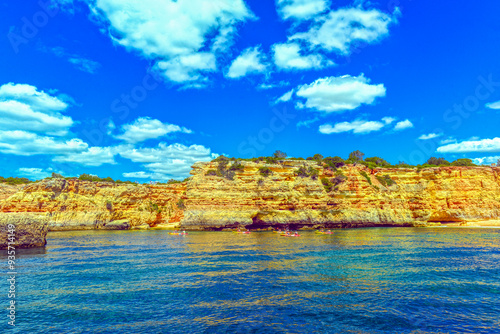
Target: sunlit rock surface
pixel 30 230
pixel 461 196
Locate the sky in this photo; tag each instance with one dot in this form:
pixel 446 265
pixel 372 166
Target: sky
pixel 141 90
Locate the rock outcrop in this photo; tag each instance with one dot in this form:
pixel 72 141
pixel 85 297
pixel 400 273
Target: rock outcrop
pixel 79 205
pixel 418 197
pixel 362 197
pixel 29 230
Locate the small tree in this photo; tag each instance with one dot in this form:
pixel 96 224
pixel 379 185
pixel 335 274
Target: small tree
pixel 57 176
pixel 356 156
pixel 498 163
pixel 437 161
pixel 279 154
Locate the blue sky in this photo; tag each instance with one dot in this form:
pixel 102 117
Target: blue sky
pixel 141 90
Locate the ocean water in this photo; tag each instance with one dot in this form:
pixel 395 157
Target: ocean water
pixel 378 280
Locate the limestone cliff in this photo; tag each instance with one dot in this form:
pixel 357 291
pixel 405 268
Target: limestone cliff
pixel 458 195
pixel 75 205
pixel 418 197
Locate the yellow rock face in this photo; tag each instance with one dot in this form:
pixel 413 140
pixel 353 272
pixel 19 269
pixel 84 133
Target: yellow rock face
pixel 458 195
pixel 446 194
pixel 74 204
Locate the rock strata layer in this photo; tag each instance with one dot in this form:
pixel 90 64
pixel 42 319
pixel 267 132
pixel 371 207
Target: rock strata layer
pixel 419 197
pixel 82 205
pixel 414 197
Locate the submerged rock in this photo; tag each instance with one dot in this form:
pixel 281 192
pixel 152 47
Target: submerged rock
pixel 30 230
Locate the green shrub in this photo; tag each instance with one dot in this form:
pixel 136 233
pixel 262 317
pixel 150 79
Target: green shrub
pixel 109 206
pixel 379 162
pixel 237 166
pixel 265 171
pixel 14 180
pixel 437 162
pixel 211 172
pixel 463 162
pixel 385 180
pixel 332 163
pixel 180 204
pixel 363 174
pixel 327 184
pixel 303 171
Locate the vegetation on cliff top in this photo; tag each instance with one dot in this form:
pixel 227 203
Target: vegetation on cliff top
pixel 355 157
pixel 14 180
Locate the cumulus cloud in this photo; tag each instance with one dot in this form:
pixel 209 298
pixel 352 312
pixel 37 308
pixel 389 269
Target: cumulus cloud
pixel 388 120
pixel 168 161
pixel 338 94
pixel 429 136
pixel 144 128
pixel 300 9
pixel 28 144
pixel 486 160
pixel 340 29
pixel 24 107
pixel 469 146
pixel 406 124
pixel 139 175
pixel 34 173
pixel 93 156
pixel 493 105
pixel 250 61
pixel 287 57
pixel 182 37
pixel 356 127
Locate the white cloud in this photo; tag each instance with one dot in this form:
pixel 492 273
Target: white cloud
pixel 288 57
pixel 493 105
pixel 28 144
pixel 93 156
pixel 23 107
pixel 34 173
pixel 406 124
pixel 356 127
pixel 300 9
pixel 430 136
pixel 168 161
pixel 139 175
pixel 182 37
pixel 388 120
pixel 273 85
pixel 250 61
pixel 448 141
pixel 84 64
pixel 285 97
pixel 486 160
pixel 484 145
pixel 338 94
pixel 187 68
pixel 144 128
pixel 340 29
pixel 81 63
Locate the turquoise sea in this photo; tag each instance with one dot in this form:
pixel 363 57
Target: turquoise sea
pixel 378 280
